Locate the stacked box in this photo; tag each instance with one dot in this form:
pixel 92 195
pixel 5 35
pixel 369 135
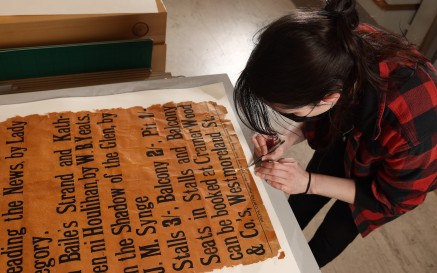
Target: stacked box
pixel 38 30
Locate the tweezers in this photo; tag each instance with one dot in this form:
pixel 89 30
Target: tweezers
pixel 271 150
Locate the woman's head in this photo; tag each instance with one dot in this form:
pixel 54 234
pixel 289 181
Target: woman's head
pixel 299 60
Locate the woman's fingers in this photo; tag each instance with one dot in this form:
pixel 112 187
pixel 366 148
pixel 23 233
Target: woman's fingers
pixel 260 144
pixel 274 176
pixel 278 186
pixel 282 164
pixel 275 155
pixel 274 171
pixel 286 175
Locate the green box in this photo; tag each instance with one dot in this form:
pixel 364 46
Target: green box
pixel 44 61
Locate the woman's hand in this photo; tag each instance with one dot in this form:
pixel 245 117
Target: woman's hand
pixel 262 143
pixel 286 175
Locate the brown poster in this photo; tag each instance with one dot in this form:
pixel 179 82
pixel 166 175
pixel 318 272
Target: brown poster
pixel 162 189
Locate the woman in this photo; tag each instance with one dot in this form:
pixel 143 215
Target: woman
pixel 366 101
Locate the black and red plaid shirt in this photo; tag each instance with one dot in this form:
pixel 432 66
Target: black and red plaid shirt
pixel 392 151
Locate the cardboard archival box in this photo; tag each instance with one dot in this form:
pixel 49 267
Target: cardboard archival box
pixel 159 57
pixel 23 31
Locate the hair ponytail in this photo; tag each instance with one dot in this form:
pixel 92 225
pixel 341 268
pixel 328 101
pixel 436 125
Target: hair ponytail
pixel 345 20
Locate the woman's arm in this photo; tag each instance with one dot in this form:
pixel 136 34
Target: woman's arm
pixel 334 187
pixel 287 175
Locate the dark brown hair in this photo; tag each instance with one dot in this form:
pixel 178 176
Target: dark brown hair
pixel 304 56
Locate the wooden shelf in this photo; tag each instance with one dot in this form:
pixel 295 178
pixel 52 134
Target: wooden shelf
pixel 80 80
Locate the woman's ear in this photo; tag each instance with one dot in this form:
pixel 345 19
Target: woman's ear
pixel 331 98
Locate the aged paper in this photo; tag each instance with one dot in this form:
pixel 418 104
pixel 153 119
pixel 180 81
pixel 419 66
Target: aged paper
pixel 54 7
pixel 158 189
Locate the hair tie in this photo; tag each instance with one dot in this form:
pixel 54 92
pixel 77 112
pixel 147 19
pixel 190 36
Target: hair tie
pixel 309 183
pixel 331 14
pixel 335 14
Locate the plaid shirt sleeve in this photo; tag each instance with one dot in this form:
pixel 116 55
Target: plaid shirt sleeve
pixel 396 167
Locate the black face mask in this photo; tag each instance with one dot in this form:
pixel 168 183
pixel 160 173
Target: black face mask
pixel 295 118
